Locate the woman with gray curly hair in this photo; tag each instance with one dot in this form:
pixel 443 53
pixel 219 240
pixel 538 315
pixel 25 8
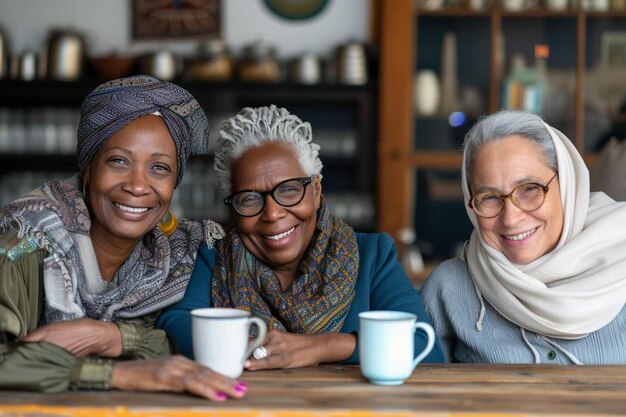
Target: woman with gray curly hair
pixel 287 259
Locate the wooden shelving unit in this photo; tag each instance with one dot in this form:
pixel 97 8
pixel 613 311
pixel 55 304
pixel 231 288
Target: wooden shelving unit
pixel 398 158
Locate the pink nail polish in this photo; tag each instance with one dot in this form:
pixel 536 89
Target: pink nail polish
pixel 241 387
pixel 220 396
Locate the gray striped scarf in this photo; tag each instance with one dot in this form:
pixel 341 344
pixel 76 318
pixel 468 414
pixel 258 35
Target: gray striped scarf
pixel 154 276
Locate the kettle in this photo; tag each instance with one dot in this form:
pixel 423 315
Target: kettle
pixel 352 63
pixel 62 56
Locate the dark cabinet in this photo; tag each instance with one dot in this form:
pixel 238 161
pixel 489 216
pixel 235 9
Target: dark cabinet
pixel 38 137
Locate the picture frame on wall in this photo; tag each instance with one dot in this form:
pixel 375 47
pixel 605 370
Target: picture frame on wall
pixel 614 49
pixel 177 19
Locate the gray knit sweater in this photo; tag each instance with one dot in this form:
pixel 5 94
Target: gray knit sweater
pixel 454 307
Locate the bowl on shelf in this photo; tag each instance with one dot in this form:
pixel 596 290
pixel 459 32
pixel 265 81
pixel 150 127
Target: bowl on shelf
pixel 110 67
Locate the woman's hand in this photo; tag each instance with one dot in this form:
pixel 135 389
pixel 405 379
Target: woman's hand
pixel 288 350
pixel 81 337
pixel 175 374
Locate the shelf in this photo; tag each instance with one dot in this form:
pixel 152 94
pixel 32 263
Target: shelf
pixel 17 93
pixel 453 11
pixel 430 160
pixel 342 116
pixel 535 12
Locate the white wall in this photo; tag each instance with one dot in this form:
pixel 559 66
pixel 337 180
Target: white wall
pixel 106 24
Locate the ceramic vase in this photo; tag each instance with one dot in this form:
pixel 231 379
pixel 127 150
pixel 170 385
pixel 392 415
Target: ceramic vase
pixel 514 5
pixel 557 5
pixel 449 80
pixel 427 93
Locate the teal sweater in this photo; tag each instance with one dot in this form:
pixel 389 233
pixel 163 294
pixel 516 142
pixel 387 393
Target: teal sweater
pixel 381 284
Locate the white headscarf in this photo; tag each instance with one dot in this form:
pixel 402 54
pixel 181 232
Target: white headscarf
pixel 578 287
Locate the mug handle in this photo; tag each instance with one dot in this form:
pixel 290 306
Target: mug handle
pixel 260 337
pixel 428 329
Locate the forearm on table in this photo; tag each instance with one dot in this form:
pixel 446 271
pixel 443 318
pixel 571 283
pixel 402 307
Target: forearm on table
pixel 335 347
pixel 139 342
pixel 44 367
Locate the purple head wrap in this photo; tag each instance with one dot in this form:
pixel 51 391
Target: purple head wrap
pixel 114 104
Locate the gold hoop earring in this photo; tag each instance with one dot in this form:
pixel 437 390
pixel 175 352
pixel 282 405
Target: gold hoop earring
pixel 169 223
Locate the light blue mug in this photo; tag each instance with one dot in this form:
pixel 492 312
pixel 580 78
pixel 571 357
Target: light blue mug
pixel 386 345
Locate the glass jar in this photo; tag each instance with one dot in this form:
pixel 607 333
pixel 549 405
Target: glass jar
pixel 259 64
pixel 213 63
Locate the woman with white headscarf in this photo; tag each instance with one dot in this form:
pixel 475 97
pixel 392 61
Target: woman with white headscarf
pixel 542 278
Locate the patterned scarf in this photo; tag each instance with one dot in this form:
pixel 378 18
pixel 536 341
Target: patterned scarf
pixel 316 302
pixel 54 217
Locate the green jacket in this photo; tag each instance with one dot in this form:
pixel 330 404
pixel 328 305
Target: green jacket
pixel 43 366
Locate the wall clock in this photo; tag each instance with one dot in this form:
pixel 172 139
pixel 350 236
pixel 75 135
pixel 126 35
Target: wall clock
pixel 296 9
pixel 158 19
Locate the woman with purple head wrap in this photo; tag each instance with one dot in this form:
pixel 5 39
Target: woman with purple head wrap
pixel 113 105
pixel 87 263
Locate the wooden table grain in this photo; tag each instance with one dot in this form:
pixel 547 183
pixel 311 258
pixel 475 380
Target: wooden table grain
pixel 456 390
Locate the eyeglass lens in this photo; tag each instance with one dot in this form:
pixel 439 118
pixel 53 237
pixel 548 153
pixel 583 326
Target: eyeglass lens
pixel 528 197
pixel 287 194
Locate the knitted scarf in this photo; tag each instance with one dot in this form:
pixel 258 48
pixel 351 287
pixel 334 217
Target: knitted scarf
pixel 316 302
pixel 155 275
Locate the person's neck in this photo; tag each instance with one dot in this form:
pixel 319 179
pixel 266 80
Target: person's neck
pixel 111 252
pixel 286 276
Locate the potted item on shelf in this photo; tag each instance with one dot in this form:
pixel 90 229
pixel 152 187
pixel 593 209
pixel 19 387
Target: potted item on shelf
pixel 449 78
pixel 213 62
pixel 557 5
pixel 427 93
pixel 62 56
pixel 431 4
pixel 112 66
pixel 163 65
pixel 351 64
pixel 618 5
pixel 306 69
pixel 4 56
pixel 515 5
pixel 24 66
pixel 524 87
pixel 479 5
pixel 596 5
pixel 259 64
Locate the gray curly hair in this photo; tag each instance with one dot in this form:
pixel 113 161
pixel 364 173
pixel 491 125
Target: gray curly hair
pixel 252 127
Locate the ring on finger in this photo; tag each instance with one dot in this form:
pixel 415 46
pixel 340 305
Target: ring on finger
pixel 259 353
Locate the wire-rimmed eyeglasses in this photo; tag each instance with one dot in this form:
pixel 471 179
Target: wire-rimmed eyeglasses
pixel 527 197
pixel 287 193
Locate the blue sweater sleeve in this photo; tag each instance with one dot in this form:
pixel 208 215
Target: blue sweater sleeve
pixel 384 285
pixel 176 319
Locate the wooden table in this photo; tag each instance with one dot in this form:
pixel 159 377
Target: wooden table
pixel 336 391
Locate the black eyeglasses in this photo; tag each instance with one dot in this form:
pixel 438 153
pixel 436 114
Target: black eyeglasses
pixel 287 193
pixel 527 197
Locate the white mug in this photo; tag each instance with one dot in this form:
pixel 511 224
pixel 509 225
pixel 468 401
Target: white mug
pixel 220 338
pixel 386 345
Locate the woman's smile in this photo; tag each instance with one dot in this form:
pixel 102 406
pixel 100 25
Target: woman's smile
pixel 524 236
pixel 131 213
pixel 281 235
